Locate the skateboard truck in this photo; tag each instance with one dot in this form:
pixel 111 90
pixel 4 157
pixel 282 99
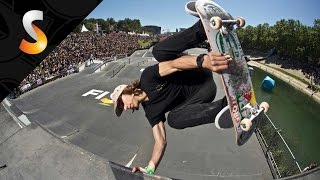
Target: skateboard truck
pixel 216 22
pixel 246 123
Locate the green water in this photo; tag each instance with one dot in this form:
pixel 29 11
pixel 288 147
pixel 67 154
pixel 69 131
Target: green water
pixel 296 114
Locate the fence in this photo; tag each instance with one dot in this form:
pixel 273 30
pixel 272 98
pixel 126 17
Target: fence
pixel 279 156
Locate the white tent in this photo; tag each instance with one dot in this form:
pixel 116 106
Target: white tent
pixel 132 33
pixel 144 34
pixel 84 29
pixel 97 28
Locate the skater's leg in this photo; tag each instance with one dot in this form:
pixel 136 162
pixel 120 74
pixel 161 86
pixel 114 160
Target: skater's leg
pixel 174 45
pixel 197 110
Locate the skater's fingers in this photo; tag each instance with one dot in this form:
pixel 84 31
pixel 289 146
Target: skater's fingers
pixel 228 57
pixel 219 58
pixel 219 69
pixel 137 169
pixel 221 62
pixel 134 169
pixel 216 53
pixel 216 56
pixel 213 62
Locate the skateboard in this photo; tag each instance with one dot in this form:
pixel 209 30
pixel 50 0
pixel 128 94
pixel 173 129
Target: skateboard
pixel 221 33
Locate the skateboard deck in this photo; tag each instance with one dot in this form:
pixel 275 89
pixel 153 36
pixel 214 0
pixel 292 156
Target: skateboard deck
pixel 222 37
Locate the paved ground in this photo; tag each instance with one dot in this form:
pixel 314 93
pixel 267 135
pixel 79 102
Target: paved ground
pixel 70 108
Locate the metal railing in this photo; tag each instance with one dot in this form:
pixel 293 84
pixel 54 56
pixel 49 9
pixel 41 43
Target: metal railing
pixel 144 62
pixel 279 156
pixel 116 70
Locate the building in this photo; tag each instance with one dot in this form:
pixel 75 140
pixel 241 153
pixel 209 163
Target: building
pixel 153 29
pixel 182 29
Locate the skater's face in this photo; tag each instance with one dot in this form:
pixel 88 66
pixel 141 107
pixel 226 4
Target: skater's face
pixel 129 102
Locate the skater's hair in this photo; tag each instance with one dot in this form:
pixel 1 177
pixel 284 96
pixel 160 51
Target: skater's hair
pixel 133 88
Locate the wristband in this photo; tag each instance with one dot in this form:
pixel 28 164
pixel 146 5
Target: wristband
pixel 200 60
pixel 149 170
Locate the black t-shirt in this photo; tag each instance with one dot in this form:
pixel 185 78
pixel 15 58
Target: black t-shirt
pixel 165 93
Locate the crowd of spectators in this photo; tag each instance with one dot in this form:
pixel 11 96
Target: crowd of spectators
pixel 77 48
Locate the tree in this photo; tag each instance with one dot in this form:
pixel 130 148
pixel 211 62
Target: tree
pixel 291 38
pixel 77 29
pixel 129 25
pixel 315 42
pixel 111 24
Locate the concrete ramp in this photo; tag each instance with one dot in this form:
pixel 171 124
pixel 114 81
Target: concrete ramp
pixel 133 71
pixel 36 153
pixel 8 126
pixel 139 53
pixel 72 132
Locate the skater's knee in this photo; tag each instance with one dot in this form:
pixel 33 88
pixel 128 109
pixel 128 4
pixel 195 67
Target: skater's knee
pixel 175 125
pixel 157 53
pixel 162 55
pixel 208 91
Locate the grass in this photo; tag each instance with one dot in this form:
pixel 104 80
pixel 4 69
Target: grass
pixel 144 44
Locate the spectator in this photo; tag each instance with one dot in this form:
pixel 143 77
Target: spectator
pixel 75 50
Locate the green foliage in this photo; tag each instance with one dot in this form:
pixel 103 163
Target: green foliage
pixel 129 25
pixel 145 43
pixel 285 164
pixel 292 39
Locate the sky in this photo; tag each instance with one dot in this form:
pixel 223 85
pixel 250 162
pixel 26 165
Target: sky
pixel 170 14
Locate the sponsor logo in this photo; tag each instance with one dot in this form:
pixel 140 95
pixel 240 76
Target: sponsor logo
pixel 36 33
pixel 235 109
pixel 99 95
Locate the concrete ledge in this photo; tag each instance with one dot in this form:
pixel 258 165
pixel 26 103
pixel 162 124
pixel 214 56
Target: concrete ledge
pixel 293 82
pixel 16 114
pixel 8 127
pixel 35 153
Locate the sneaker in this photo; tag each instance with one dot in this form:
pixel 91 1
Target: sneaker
pixel 191 8
pixel 223 119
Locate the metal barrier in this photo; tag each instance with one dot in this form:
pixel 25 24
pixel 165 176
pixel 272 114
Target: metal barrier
pixel 144 62
pixel 279 156
pixel 102 65
pixel 116 70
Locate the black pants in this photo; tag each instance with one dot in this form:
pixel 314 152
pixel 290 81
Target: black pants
pixel 197 109
pixel 173 46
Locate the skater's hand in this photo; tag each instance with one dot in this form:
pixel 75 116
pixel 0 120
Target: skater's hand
pixel 216 61
pixel 138 168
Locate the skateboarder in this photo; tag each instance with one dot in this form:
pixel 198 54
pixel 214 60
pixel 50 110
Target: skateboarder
pixel 179 84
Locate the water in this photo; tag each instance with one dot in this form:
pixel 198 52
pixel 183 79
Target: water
pixel 296 114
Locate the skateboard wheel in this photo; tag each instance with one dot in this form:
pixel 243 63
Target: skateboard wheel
pixel 216 22
pixel 265 106
pixel 246 124
pixel 240 22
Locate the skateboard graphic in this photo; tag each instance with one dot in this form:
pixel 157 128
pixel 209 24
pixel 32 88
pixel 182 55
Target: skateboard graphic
pixel 219 27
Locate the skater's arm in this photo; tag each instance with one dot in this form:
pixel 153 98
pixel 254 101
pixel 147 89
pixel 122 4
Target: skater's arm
pixel 179 64
pixel 160 143
pixel 159 135
pixel 214 61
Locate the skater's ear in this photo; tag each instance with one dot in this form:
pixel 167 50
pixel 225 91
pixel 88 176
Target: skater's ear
pixel 138 92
